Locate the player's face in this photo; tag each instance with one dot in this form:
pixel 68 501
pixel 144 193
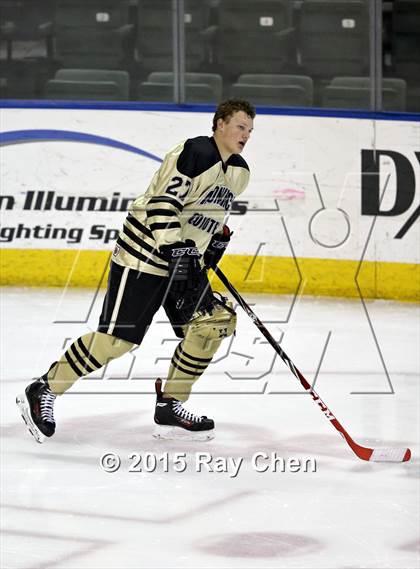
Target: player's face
pixel 234 133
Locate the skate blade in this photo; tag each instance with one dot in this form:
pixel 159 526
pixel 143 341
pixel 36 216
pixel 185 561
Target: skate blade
pixel 23 405
pixel 171 433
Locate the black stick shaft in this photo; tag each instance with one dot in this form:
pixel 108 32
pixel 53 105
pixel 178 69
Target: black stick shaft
pixel 261 328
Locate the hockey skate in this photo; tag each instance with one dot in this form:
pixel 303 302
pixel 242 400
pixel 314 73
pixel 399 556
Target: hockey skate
pixel 174 422
pixel 36 406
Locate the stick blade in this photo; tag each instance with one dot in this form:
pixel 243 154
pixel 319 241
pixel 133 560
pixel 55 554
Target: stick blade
pixel 390 455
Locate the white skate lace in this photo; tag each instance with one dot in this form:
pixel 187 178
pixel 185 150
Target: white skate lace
pixel 47 406
pixel 184 414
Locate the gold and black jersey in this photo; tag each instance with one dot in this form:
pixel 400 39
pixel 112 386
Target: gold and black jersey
pixel 188 198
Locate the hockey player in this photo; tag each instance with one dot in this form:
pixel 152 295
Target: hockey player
pixel 171 235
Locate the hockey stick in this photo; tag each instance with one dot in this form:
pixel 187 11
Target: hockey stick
pixel 365 453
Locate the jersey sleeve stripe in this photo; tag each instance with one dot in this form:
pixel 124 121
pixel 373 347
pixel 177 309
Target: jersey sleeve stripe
pixel 165 226
pixel 139 256
pixel 138 241
pixel 136 223
pixel 167 200
pixel 164 212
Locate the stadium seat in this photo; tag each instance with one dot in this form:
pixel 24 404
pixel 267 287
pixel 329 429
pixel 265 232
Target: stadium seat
pixel 92 35
pixel 406 39
pixel 278 90
pixel 405 48
pixel 334 38
pixel 155 35
pixel 200 87
pixel 26 46
pixel 93 84
pixel 26 27
pixel 355 93
pixel 254 36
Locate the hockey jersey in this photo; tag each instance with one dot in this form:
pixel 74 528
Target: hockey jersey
pixel 189 197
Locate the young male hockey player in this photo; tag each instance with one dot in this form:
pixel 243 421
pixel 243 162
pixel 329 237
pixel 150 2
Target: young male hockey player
pixel 171 235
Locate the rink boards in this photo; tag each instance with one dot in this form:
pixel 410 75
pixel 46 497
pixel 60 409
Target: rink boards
pixel 332 207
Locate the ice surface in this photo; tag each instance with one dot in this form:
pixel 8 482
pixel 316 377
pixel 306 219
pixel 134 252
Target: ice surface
pixel 61 510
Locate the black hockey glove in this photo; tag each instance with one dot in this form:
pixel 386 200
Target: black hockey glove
pixel 184 265
pixel 216 247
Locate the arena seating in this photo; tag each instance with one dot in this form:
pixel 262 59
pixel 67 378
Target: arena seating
pixel 334 38
pixel 276 90
pixel 275 52
pixel 355 93
pixel 405 48
pixel 253 37
pixel 154 40
pixel 94 84
pixel 200 87
pixel 92 35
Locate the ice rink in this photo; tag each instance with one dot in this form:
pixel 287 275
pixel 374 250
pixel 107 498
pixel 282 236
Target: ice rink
pixel 60 509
